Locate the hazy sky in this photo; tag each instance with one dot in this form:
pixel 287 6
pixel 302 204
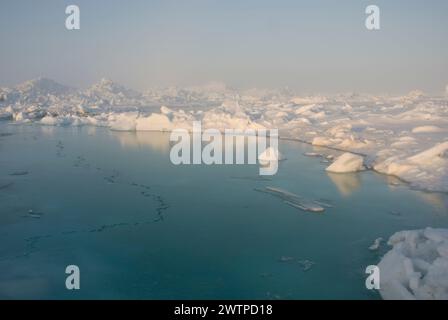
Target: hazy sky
pixel 310 46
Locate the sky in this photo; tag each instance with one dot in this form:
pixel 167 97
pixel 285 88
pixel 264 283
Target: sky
pixel 314 46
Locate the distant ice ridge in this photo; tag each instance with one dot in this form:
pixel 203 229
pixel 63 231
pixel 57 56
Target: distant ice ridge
pixel 417 265
pixel 390 131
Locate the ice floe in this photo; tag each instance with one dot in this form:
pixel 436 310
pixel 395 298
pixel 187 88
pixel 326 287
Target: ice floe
pixel 376 244
pixel 430 167
pixel 296 201
pixel 306 265
pixel 417 265
pixel 347 162
pixel 35 215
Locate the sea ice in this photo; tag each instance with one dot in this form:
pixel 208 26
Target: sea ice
pixel 417 265
pixel 155 122
pixel 123 121
pixel 306 265
pixel 428 169
pixel 376 244
pixel 428 129
pixel 347 162
pixel 294 200
pixel 389 130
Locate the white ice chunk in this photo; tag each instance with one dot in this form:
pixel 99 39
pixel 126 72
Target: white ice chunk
pixel 417 266
pixel 376 244
pixel 428 129
pixel 124 122
pixel 347 162
pixel 155 122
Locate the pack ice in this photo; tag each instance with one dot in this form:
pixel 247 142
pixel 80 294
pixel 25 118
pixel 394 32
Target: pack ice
pixel 405 136
pixel 417 265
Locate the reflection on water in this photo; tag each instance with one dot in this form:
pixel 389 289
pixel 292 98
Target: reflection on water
pixel 439 201
pixel 324 151
pixel 91 130
pixel 47 130
pixel 234 148
pixel 157 141
pixel 160 141
pixel 392 181
pixel 346 183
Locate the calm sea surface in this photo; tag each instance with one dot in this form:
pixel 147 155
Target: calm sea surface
pixel 140 227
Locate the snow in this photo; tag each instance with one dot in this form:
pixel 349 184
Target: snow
pixel 393 132
pixel 430 166
pixel 123 121
pixel 155 122
pixel 417 265
pixel 428 129
pixel 347 162
pixel 49 121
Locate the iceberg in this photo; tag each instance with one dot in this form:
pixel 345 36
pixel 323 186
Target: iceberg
pixel 347 162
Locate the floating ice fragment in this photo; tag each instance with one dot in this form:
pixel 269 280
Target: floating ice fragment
pixel 33 214
pixel 306 264
pixel 312 154
pixel 286 259
pixel 294 200
pixel 304 207
pixel 323 203
pixel 376 244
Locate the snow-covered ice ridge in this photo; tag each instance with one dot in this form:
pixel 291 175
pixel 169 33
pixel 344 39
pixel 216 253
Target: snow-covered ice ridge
pixel 405 136
pixel 417 266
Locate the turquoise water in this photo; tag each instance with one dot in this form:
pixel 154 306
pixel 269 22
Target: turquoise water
pixel 139 227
